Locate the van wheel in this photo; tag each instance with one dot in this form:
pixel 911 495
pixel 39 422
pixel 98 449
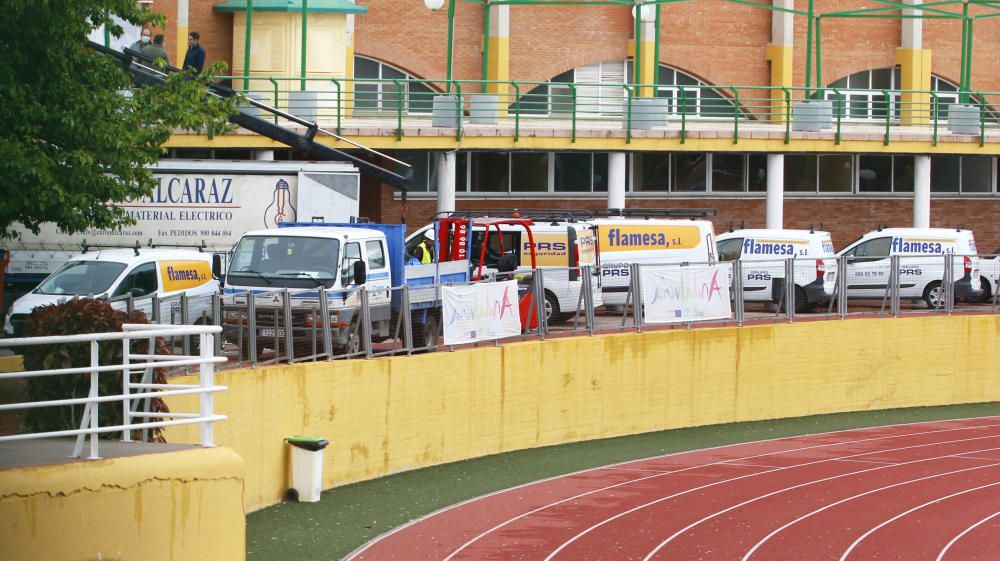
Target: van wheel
pixel 934 295
pixel 194 345
pixel 987 287
pixel 552 313
pixel 801 304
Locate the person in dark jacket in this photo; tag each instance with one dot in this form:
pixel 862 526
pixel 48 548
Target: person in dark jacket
pixel 195 57
pixel 156 50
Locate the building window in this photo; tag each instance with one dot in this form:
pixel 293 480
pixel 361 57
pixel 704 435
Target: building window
pixel 580 172
pixel 868 96
pixel 383 95
pixel 598 90
pixel 962 174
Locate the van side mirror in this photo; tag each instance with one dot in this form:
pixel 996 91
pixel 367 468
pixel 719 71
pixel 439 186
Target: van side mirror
pixel 217 266
pixel 360 272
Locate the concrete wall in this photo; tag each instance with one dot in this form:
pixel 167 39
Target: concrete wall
pixel 172 506
pixel 394 414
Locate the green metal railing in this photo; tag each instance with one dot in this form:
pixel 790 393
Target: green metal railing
pixel 576 106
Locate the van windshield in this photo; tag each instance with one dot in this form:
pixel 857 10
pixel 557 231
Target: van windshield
pixel 81 278
pixel 258 260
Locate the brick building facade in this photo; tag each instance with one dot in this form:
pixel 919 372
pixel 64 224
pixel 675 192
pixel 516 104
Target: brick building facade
pixel 716 42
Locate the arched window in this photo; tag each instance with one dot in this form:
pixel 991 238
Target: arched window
pixel 599 90
pixel 862 96
pixel 384 96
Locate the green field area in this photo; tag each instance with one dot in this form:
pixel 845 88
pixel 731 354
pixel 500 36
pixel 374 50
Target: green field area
pixel 349 516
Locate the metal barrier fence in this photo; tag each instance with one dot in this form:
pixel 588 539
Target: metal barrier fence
pixel 513 103
pixel 135 396
pixel 295 325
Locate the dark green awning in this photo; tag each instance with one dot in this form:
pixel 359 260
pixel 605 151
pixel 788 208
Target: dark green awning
pixel 314 6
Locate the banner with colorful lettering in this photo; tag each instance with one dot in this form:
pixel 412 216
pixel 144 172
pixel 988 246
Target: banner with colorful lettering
pixel 680 294
pixel 480 312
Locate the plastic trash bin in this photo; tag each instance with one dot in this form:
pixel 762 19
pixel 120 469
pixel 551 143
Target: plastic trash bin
pixel 307 468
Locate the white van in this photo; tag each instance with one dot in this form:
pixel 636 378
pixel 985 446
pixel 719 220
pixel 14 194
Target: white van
pixel 624 241
pixel 922 254
pixel 118 273
pixel 560 247
pixel 763 252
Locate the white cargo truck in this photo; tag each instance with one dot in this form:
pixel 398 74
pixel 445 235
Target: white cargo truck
pixel 198 203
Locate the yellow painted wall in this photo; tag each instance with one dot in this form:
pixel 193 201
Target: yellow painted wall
pixel 782 63
pixel 275 50
pixel 394 414
pixel 173 506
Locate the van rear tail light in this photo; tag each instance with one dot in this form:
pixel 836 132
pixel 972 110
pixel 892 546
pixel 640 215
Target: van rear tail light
pixel 820 268
pixel 576 255
pixel 967 261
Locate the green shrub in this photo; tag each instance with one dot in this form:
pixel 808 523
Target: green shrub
pixel 73 317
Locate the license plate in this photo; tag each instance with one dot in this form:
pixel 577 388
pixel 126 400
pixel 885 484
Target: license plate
pixel 269 332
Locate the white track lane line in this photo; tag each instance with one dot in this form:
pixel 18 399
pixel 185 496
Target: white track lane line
pixel 910 511
pixel 791 523
pixel 961 534
pixel 739 478
pixel 402 527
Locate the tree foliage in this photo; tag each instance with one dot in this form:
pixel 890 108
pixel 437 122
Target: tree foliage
pixel 75 135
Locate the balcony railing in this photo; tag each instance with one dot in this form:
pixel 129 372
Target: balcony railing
pixel 574 107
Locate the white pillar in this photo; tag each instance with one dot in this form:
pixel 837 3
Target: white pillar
pixel 913 28
pixel 616 180
pixel 267 155
pixel 922 192
pixel 446 181
pixel 775 191
pixel 782 23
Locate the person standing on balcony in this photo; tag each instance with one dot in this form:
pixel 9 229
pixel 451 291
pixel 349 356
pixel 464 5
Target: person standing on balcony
pixel 156 50
pixel 195 57
pixel 143 41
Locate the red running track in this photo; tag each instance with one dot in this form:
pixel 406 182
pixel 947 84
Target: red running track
pixel 924 491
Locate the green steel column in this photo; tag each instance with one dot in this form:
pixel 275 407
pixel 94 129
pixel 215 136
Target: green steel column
pixel 107 28
pixel 962 85
pixel 968 60
pixel 809 46
pixel 656 49
pixel 486 42
pixel 451 39
pixel 819 54
pixel 246 47
pixel 637 58
pixel 305 24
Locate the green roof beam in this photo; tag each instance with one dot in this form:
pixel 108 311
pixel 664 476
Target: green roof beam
pixel 313 7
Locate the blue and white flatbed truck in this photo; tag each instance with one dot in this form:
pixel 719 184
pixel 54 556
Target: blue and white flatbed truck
pixel 340 258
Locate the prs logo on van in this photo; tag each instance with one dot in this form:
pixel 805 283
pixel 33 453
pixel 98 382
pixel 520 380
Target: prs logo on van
pixel 183 274
pixel 899 245
pixel 546 246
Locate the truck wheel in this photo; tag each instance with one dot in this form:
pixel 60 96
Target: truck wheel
pixel 427 334
pixel 245 350
pixel 934 295
pixel 353 344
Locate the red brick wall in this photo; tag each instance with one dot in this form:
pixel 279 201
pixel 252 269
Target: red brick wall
pixel 845 218
pixel 216 30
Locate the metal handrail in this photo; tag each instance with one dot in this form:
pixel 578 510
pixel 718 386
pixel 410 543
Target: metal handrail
pixel 89 425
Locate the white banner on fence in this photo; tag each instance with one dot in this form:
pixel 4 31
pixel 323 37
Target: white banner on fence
pixel 679 294
pixel 480 312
